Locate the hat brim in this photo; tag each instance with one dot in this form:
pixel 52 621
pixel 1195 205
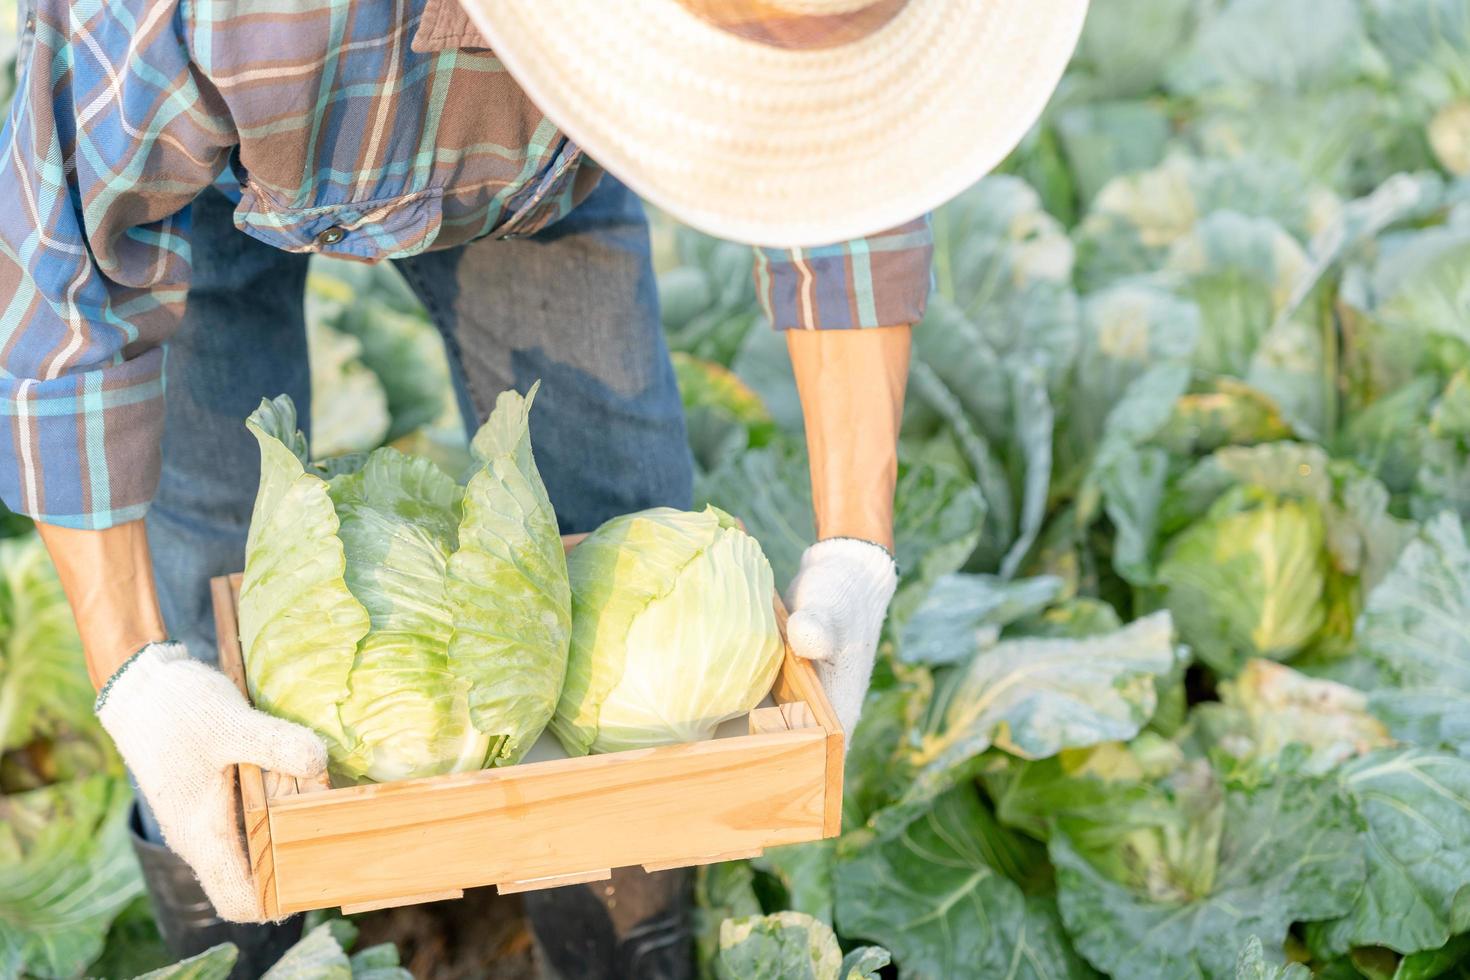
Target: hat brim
pixel 781 147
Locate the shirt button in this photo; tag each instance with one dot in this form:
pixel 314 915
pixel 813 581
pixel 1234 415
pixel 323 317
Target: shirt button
pixel 30 22
pixel 331 236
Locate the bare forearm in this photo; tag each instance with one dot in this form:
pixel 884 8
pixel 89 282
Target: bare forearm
pixel 108 579
pixel 851 384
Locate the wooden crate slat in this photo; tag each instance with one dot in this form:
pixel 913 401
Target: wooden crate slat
pixel 553 881
pixel 709 859
pixel 392 903
pixel 760 721
pixel 253 797
pixel 798 714
pixel 798 682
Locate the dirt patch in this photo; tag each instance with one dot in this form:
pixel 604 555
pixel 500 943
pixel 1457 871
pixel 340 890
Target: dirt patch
pixel 482 936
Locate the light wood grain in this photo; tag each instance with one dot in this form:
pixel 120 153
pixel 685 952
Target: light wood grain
pixel 650 806
pixel 799 714
pixel 798 682
pixel 707 859
pixel 391 903
pixel 763 720
pixel 253 798
pixel 553 881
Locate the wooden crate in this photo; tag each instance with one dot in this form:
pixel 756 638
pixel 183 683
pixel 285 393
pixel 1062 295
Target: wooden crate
pixel 542 824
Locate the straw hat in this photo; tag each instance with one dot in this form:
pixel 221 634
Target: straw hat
pixel 788 122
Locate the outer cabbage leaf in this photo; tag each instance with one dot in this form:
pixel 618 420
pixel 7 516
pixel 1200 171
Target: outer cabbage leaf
pixel 1412 301
pixel 879 753
pixel 1416 624
pixel 1035 697
pixel 805 871
pixel 1128 481
pixel 769 489
pixel 1259 47
pixel 1126 53
pixel 673 631
pixel 1287 852
pixel 1222 412
pixel 406 712
pixel 318 956
pixel 1137 217
pixel 1427 717
pixel 1252 965
pixel 44 692
pixel 939 514
pixel 724 416
pixel 1104 139
pixel 1079 784
pixel 508 588
pixel 962 613
pixel 396 339
pixel 215 963
pixel 1000 336
pixel 349 409
pixel 1126 329
pixel 764 365
pixel 708 301
pixel 1417 846
pixel 299 622
pixel 1000 410
pixel 1006 265
pixel 1241 272
pixel 1269 707
pixel 1425 43
pixel 929 894
pixel 66 869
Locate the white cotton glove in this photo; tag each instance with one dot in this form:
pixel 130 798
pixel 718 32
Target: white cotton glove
pixel 838 600
pixel 181 726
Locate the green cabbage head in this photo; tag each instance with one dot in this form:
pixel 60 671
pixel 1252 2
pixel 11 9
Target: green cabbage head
pixel 418 626
pixel 1249 579
pixel 673 631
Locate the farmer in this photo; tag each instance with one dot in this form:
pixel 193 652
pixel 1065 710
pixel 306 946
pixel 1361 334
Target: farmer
pixel 171 165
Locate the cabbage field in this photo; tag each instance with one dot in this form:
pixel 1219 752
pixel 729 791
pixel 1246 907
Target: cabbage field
pixel 1177 681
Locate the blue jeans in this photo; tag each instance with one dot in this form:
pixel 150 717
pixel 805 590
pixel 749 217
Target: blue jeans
pixel 574 306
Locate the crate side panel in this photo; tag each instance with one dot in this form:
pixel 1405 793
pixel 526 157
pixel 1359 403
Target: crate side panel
pixel 798 682
pixel 668 806
pixel 225 591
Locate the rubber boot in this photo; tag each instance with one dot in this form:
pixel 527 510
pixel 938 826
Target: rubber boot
pixel 634 926
pixel 188 922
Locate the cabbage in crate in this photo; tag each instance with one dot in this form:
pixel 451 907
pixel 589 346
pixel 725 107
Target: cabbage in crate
pixel 673 631
pixel 418 626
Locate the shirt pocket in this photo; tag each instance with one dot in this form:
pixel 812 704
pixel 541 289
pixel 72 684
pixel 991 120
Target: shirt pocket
pixel 370 231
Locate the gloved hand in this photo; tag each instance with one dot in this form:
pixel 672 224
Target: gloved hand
pixel 180 726
pixel 838 600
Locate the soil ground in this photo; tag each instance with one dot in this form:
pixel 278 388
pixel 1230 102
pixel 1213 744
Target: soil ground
pixel 482 936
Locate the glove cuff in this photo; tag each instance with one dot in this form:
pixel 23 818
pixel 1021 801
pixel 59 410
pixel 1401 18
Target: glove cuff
pixel 873 561
pixel 138 669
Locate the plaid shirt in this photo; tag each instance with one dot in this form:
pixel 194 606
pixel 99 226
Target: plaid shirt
pixel 363 128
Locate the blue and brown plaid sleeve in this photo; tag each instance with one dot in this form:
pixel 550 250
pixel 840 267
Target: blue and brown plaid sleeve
pixel 100 158
pixel 879 281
